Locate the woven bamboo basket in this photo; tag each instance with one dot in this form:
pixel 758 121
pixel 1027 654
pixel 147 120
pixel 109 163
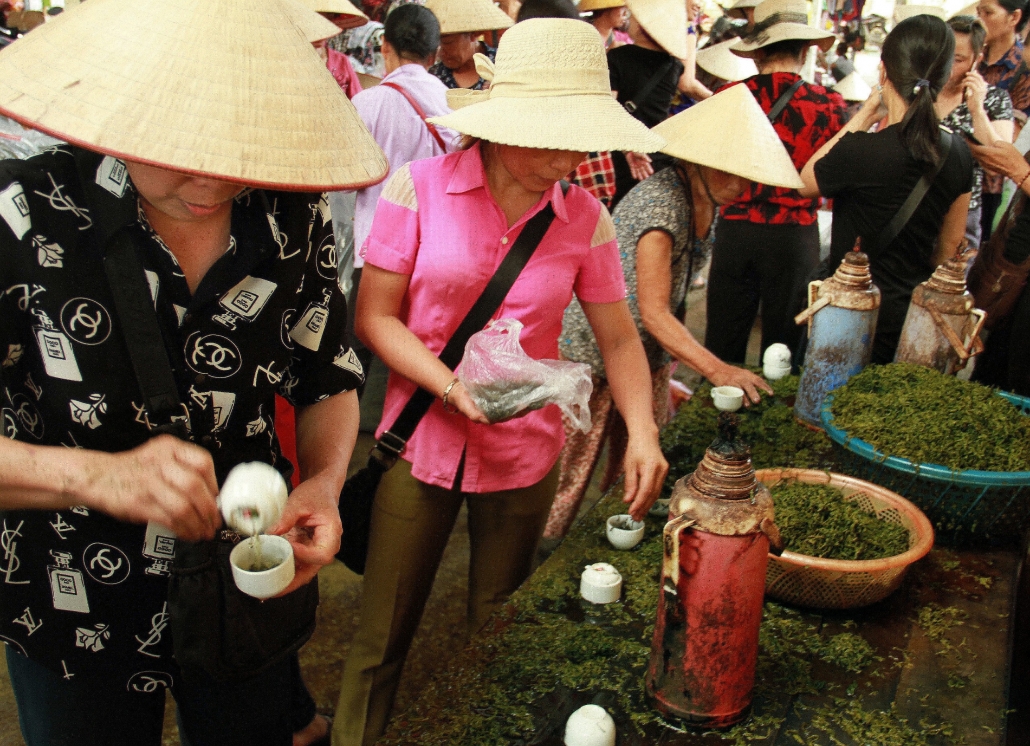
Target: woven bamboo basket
pixel 821 583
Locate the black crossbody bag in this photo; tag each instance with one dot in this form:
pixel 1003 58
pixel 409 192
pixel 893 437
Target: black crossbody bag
pixel 359 491
pixel 216 628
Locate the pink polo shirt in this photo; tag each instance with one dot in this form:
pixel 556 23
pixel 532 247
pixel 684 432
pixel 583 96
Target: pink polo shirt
pixel 438 223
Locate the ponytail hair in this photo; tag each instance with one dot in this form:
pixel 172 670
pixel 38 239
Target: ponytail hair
pixel 917 57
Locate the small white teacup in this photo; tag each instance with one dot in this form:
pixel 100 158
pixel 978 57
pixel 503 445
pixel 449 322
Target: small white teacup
pixel 276 555
pixel 623 532
pixel 728 398
pixel 590 725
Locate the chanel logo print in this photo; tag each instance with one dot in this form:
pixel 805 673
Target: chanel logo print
pixel 326 258
pixel 148 682
pixel 28 416
pixel 86 321
pixel 213 355
pixel 106 564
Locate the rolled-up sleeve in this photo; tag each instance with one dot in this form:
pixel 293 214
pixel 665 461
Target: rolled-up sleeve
pixel 393 241
pixel 600 278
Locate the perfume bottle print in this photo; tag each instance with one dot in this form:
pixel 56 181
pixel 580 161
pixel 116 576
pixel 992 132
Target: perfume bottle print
pixel 66 584
pixel 56 349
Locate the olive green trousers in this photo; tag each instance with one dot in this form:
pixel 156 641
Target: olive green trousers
pixel 411 523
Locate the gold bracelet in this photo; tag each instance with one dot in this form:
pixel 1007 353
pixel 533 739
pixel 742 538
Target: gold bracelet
pixel 447 392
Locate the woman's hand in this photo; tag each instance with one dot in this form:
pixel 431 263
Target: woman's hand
pixel 873 109
pixel 975 89
pixel 311 523
pixel 639 165
pixel 729 375
pixel 459 398
pixel 165 480
pixel 1001 157
pixel 646 468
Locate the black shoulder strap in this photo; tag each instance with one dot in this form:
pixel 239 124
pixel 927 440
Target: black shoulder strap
pixel 908 208
pixel 394 438
pixel 641 97
pixel 138 320
pixel 784 99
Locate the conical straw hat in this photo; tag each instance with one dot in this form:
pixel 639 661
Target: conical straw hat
pixel 965 10
pixel 902 12
pixel 853 88
pixel 213 87
pixel 313 26
pixel 588 5
pixel 730 132
pixel 665 21
pixel 722 63
pixel 335 6
pixel 550 89
pixel 467 16
pixel 780 20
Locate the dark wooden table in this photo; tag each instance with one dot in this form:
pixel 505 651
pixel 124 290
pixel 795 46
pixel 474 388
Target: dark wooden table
pixel 935 670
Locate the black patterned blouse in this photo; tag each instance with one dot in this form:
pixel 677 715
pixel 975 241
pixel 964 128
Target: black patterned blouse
pixel 445 74
pixel 998 106
pixel 80 592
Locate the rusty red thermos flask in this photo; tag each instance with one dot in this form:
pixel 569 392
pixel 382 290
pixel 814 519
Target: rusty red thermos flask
pixel 717 542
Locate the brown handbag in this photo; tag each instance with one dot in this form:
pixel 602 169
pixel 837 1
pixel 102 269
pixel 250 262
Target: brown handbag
pixel 995 282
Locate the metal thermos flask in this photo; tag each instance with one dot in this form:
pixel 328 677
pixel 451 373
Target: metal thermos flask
pixel 942 328
pixel 841 317
pixel 717 540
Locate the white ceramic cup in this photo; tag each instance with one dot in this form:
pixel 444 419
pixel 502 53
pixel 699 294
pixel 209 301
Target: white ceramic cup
pixel 252 498
pixel 600 583
pixel 590 725
pixel 660 509
pixel 623 532
pixel 728 398
pixel 776 361
pixel 275 550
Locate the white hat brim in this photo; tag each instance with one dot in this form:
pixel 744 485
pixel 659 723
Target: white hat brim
pixel 584 123
pixel 784 32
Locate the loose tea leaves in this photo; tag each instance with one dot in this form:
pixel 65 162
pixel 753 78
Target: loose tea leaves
pixel 919 414
pixel 769 427
pixel 816 521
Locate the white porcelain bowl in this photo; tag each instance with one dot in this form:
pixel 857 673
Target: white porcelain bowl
pixel 623 532
pixel 275 551
pixel 660 509
pixel 600 584
pixel 728 398
pixel 775 372
pixel 590 725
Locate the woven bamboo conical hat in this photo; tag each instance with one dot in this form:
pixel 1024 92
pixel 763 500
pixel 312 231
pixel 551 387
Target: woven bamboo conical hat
pixel 215 87
pixel 853 88
pixel 313 26
pixel 589 5
pixel 722 63
pixel 467 16
pixel 730 132
pixel 902 12
pixel 665 21
pixel 355 16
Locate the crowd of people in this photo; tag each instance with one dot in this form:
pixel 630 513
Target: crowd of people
pixel 301 188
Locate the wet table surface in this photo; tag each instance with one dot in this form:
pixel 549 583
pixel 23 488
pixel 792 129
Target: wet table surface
pixel 928 665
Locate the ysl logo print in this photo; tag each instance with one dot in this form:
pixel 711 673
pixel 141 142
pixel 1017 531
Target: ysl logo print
pixel 158 622
pixel 277 235
pixel 213 354
pixel 62 202
pixel 86 321
pixel 10 549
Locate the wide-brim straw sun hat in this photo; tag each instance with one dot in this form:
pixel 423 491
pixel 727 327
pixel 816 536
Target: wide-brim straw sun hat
pixel 723 64
pixel 731 133
pixel 313 26
pixel 736 9
pixel 345 7
pixel 853 88
pixel 780 20
pixel 549 89
pixel 903 12
pixel 665 21
pixel 586 6
pixel 216 88
pixel 468 16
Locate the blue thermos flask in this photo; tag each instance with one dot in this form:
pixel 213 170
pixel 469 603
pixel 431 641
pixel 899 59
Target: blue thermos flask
pixel 841 318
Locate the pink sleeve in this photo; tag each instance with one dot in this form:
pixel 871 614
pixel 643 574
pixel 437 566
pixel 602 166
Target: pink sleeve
pixel 393 241
pixel 600 278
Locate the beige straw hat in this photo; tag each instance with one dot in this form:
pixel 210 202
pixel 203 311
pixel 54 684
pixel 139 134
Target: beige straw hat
pixel 723 64
pixel 731 133
pixel 853 88
pixel 780 20
pixel 213 87
pixel 550 89
pixel 313 26
pixel 665 21
pixel 335 6
pixel 468 16
pixel 588 5
pixel 902 12
pixel 965 10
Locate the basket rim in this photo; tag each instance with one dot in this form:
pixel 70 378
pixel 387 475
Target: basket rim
pixel 934 472
pixel 921 524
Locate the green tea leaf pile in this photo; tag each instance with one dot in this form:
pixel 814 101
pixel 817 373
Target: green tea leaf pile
pixel 815 521
pixel 919 414
pixel 769 427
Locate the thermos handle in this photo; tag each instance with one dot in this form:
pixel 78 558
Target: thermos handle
pixel 949 334
pixel 814 306
pixel 671 537
pixel 975 345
